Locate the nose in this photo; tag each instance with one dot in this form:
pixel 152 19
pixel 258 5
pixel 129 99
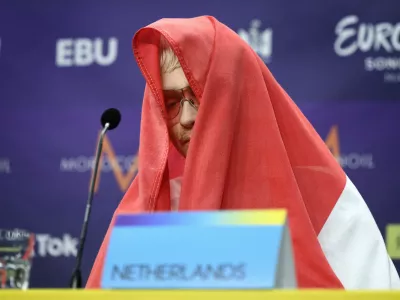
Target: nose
pixel 188 115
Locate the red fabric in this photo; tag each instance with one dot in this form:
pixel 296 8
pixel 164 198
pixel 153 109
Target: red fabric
pixel 251 146
pixel 176 163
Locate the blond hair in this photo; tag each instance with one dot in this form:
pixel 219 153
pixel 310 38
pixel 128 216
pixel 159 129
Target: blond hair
pixel 168 60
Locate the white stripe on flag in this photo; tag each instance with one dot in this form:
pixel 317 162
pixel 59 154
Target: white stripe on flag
pixel 354 246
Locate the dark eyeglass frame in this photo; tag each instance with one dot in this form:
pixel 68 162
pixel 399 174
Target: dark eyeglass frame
pixel 182 101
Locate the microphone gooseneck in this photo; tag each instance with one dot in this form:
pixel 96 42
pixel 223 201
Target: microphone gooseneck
pixel 110 119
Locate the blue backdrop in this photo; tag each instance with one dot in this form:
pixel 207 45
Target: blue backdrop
pixel 63 62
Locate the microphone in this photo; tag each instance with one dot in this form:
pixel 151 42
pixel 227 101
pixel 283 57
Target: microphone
pixel 109 120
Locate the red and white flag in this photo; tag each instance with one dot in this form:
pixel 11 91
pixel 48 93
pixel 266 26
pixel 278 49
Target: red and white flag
pixel 251 148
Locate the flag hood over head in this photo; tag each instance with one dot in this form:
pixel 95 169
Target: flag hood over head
pixel 251 147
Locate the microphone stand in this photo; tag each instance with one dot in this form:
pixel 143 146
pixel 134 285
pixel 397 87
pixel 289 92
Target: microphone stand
pixel 76 279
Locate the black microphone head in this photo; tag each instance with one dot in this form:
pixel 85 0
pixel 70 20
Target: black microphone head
pixel 111 116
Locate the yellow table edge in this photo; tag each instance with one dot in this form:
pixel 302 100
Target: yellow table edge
pixel 60 294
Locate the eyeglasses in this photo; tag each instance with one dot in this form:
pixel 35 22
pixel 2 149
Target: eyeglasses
pixel 174 100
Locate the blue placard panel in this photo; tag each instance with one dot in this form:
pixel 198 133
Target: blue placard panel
pixel 201 250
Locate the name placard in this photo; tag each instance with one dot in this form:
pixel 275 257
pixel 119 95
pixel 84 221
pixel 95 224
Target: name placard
pixel 248 249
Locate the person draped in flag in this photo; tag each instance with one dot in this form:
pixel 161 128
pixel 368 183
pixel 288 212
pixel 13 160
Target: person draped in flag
pixel 244 144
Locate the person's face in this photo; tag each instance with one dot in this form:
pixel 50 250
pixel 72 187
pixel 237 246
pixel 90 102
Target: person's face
pixel 181 118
